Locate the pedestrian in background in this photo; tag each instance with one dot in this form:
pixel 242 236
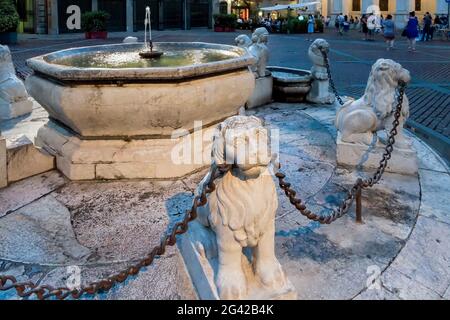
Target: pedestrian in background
pixel 311 24
pixel 411 31
pixel 426 32
pixel 389 32
pixel 371 25
pixel 364 28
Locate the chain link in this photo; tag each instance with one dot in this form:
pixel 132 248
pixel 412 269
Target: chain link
pixel 27 289
pixel 330 79
pixel 359 184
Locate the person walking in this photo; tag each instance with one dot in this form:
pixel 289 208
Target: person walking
pixel 311 25
pixel 411 31
pixel 340 21
pixel 364 28
pixel 389 32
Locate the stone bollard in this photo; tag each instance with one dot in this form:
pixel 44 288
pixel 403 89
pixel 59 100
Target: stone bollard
pixel 319 92
pixel 363 125
pixel 257 46
pixel 229 250
pixel 14 99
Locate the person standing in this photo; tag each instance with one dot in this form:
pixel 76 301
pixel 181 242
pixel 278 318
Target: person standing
pixel 371 25
pixel 426 32
pixel 311 24
pixel 411 31
pixel 389 32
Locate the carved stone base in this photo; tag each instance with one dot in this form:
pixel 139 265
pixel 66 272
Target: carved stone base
pixel 112 159
pixel 199 249
pixel 403 161
pixel 262 93
pixel 15 109
pixel 319 92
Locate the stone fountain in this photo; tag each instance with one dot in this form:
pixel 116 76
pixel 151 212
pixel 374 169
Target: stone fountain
pixel 115 115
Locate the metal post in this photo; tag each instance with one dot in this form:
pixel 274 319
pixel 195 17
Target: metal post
pixel 358 206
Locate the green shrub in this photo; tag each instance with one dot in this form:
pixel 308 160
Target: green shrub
pixel 319 25
pixel 9 18
pixel 93 21
pixel 294 25
pixel 225 20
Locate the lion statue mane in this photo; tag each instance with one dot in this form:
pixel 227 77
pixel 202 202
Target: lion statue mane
pixel 241 209
pixel 358 120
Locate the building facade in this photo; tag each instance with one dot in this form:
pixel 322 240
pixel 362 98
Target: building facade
pixel 399 9
pixel 51 16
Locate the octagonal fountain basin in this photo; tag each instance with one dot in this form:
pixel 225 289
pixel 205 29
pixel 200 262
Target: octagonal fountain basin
pixel 110 91
pixel 290 85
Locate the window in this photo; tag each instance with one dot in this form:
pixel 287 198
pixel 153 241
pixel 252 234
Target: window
pixel 356 5
pixel 418 6
pixel 223 7
pixel 384 5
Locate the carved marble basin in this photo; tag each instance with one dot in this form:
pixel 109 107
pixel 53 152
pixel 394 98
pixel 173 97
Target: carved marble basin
pixel 108 91
pixel 290 84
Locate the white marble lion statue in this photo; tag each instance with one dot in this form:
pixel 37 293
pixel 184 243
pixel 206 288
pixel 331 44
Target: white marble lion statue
pixel 257 46
pixel 241 210
pixel 14 100
pixel 318 70
pixel 358 120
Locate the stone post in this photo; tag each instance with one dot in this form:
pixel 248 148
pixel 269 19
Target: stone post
pixel 53 17
pixel 129 14
pixel 403 7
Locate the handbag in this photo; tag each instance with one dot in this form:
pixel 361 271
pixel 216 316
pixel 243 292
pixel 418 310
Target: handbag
pixel 404 34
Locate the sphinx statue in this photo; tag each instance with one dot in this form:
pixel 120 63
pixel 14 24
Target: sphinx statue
pixel 257 47
pixel 319 92
pixel 14 99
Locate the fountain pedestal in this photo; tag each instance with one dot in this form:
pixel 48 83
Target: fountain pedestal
pixel 263 92
pixel 115 123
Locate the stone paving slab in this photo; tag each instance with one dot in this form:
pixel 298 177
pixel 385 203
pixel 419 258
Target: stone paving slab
pixel 119 221
pixel 23 192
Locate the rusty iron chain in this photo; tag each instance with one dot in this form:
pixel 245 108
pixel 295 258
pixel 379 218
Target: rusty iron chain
pixel 28 288
pixel 359 184
pixel 330 79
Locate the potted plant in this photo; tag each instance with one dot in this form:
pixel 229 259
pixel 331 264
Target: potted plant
pixel 9 20
pixel 225 22
pixel 94 24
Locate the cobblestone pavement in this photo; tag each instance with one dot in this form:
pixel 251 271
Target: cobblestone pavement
pixel 351 59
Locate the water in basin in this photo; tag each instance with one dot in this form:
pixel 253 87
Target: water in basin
pixel 280 74
pixel 131 58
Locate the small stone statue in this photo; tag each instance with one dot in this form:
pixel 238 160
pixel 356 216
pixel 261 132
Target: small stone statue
pixel 14 99
pixel 241 210
pixel 257 46
pixel 319 92
pixel 357 121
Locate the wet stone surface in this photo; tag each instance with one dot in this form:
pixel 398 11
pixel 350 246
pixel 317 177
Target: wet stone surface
pixel 102 227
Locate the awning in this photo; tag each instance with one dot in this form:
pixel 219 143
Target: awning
pixel 280 7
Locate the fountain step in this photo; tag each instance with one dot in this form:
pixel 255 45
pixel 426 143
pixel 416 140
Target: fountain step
pixel 113 159
pixel 25 160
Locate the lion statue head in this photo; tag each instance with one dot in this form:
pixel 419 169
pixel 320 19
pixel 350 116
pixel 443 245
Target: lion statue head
pixel 315 51
pixel 380 92
pixel 242 41
pixel 260 35
pixel 242 143
pixel 6 64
